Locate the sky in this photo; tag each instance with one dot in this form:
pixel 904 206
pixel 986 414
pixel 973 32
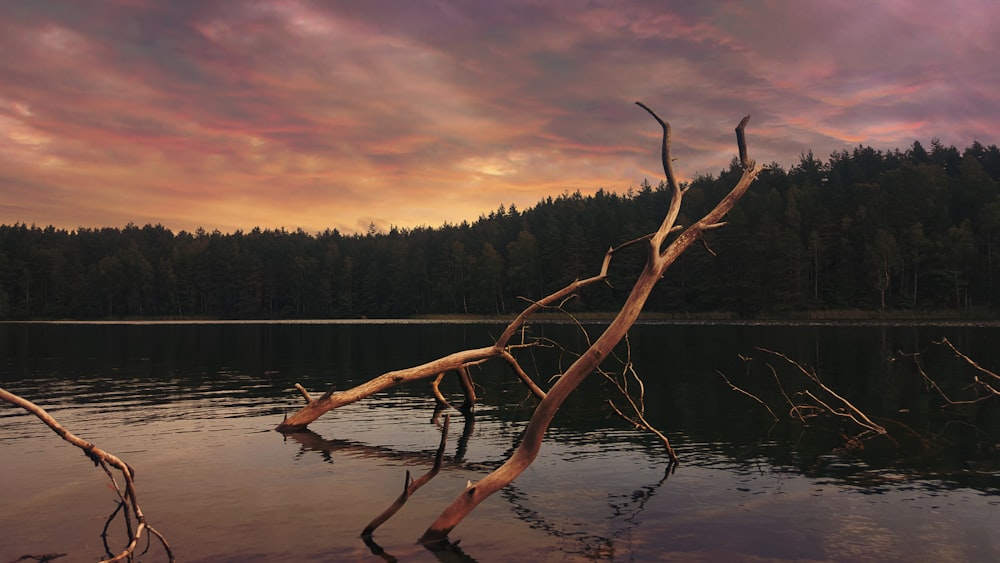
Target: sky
pixel 318 115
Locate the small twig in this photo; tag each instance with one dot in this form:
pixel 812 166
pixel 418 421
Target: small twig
pixel 436 389
pixel 642 423
pixel 795 408
pixel 968 360
pixel 748 394
pixel 813 376
pixel 305 393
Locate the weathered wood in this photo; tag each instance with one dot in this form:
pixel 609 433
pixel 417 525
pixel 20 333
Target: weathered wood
pixel 659 259
pixel 103 459
pixel 317 408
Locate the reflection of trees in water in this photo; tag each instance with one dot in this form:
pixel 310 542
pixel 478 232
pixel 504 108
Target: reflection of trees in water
pixel 624 508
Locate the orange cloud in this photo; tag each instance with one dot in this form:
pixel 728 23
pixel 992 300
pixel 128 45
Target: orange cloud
pixel 294 114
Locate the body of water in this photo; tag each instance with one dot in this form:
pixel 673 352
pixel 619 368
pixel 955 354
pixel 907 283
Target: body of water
pixel 192 407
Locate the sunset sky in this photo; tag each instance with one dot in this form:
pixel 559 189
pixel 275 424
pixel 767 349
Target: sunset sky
pixel 234 114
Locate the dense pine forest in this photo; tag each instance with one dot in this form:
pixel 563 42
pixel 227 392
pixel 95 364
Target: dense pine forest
pixel 904 231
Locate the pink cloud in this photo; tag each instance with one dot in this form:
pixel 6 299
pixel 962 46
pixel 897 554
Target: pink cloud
pixel 295 114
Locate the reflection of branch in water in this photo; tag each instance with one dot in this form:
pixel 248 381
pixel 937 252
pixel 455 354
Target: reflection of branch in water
pixel 463 440
pixel 377 549
pixel 449 552
pixel 594 546
pixel 311 441
pixel 43 558
pixel 410 487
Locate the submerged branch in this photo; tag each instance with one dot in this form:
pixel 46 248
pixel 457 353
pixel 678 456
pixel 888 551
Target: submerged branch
pixel 860 417
pixel 734 387
pixel 101 459
pixel 411 487
pixel 657 262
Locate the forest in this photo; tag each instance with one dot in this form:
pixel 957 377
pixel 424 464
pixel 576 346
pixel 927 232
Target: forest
pixel 901 231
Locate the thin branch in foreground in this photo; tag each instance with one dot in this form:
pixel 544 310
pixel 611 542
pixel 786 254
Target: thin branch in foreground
pixel 102 459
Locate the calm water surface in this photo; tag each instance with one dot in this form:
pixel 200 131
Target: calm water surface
pixel 192 407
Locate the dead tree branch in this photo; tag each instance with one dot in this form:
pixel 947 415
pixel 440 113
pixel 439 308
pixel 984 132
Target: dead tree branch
pixel 102 459
pixel 453 362
pixel 621 384
pixel 734 387
pixel 853 412
pixel 980 383
pixel 658 260
pixel 813 399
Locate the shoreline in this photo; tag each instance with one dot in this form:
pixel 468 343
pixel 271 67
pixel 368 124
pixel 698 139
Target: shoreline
pixel 829 317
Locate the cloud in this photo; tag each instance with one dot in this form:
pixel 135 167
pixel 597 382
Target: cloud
pixel 291 113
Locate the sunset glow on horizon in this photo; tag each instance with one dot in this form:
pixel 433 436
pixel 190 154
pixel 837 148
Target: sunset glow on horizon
pixel 323 115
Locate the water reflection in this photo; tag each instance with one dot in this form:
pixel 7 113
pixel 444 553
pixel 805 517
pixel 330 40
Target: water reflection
pixel 191 407
pixel 624 508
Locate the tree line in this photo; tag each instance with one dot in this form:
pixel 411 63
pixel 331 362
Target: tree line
pixel 866 229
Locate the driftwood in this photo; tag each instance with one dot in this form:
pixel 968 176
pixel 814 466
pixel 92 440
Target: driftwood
pixel 658 260
pixel 128 503
pixel 660 255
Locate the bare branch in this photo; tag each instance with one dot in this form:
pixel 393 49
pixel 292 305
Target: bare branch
pixel 968 360
pixel 864 420
pixel 978 383
pixel 747 393
pixel 741 142
pixel 436 390
pixel 522 375
pixel 657 263
pixel 305 394
pixel 674 209
pixel 102 459
pixel 668 167
pixel 468 388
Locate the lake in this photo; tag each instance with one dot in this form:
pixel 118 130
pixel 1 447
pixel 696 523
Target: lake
pixel 192 407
